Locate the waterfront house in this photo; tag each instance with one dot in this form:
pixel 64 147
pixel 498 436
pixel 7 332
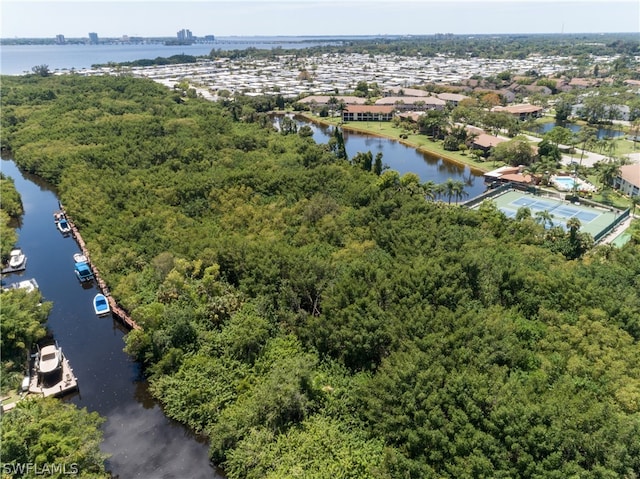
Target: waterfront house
pixel 485 142
pixel 368 113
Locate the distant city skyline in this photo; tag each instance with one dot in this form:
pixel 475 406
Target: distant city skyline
pixel 164 18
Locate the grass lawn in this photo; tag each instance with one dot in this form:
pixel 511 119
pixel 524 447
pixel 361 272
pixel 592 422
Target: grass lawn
pixel 611 196
pixel 624 147
pixel 420 142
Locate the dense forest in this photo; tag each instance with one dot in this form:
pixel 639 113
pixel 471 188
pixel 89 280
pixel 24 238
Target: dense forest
pixel 314 319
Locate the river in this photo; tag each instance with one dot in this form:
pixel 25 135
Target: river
pixel 141 440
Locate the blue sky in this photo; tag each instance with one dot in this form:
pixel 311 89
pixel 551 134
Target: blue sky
pixel 46 18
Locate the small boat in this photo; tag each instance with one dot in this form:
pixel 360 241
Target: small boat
pixel 101 305
pixel 64 226
pixel 80 258
pixel 50 359
pixel 17 259
pixel 28 285
pixel 83 272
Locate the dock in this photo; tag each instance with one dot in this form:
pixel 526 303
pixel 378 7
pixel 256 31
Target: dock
pixel 9 269
pixel 68 383
pixel 117 311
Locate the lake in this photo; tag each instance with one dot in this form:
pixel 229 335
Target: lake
pixel 600 133
pixel 402 158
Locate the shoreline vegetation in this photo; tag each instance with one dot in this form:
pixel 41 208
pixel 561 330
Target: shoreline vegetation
pixel 297 305
pixel 415 140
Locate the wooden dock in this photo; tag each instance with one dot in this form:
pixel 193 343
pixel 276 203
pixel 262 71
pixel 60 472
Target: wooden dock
pixel 68 382
pixel 120 313
pixel 9 269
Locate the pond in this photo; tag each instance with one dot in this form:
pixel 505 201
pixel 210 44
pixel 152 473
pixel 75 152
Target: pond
pixel 402 158
pixel 600 133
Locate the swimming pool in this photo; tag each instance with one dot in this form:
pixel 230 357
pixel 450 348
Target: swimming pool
pixel 564 183
pixel 568 183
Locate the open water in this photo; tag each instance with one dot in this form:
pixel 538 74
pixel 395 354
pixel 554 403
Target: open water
pixel 20 59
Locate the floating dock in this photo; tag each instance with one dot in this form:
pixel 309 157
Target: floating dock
pixel 67 383
pixel 9 269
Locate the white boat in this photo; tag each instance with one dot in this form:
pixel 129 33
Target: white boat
pixel 50 359
pixel 64 226
pixel 17 258
pixel 80 258
pixel 101 305
pixel 28 285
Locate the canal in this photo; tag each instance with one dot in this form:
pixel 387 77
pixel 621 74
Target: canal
pixel 141 441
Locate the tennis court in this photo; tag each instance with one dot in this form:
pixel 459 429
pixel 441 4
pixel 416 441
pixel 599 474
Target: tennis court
pixel 593 220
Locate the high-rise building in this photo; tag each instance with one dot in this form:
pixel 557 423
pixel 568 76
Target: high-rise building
pixel 60 40
pixel 93 38
pixel 185 35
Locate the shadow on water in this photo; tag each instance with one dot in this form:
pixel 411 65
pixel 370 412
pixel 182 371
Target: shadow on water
pixel 140 440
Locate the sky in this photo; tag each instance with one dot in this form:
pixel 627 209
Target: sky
pixel 163 18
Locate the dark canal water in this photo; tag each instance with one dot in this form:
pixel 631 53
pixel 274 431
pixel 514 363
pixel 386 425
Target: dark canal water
pixel 142 441
pixel 402 158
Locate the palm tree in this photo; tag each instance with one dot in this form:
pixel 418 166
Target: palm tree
pixel 608 172
pixel 574 225
pixel 440 189
pixel 544 218
pixel 429 189
pixel 449 189
pixel 458 190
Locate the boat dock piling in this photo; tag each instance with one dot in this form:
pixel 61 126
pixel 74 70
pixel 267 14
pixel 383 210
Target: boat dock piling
pixel 102 285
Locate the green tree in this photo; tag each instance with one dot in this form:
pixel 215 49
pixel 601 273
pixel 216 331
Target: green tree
pixel 41 70
pixel 514 152
pixel 48 432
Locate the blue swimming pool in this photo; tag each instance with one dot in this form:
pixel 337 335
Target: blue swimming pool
pixel 565 183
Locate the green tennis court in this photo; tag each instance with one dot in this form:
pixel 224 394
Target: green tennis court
pixel 593 220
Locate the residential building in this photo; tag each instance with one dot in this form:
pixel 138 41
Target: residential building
pixel 93 38
pixel 523 111
pixel 323 100
pixel 368 113
pixel 418 103
pixel 398 91
pixel 628 181
pixel 452 99
pixel 485 142
pixel 60 40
